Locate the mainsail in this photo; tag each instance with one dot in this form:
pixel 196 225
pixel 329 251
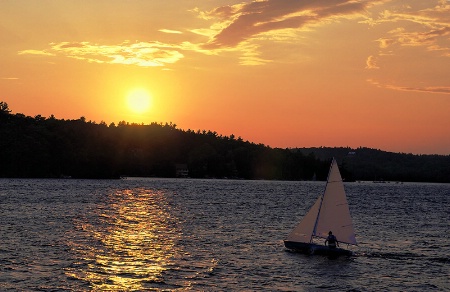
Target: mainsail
pixel 329 213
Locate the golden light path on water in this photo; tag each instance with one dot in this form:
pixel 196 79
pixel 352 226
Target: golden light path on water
pixel 129 243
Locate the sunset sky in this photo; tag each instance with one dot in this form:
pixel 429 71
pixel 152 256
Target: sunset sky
pixel 284 73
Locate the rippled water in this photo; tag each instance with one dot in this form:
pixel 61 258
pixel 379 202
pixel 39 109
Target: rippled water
pixel 214 235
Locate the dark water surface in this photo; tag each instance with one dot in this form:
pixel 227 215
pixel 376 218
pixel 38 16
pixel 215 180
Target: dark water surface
pixel 214 235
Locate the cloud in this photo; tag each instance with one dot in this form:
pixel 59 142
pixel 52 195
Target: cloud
pixel 35 52
pixel 427 89
pixel 430 89
pixel 371 63
pixel 170 31
pixel 10 78
pixel 416 38
pixel 244 28
pixel 241 22
pixel 429 28
pixel 250 55
pixel 426 31
pixel 144 54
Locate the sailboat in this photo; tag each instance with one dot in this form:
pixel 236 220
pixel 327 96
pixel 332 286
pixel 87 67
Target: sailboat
pixel 330 212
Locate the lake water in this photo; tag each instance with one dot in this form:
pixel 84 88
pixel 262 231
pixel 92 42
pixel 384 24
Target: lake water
pixel 214 235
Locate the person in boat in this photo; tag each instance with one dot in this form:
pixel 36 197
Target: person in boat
pixel 332 240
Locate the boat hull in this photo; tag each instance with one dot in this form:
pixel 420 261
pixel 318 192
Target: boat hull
pixel 312 248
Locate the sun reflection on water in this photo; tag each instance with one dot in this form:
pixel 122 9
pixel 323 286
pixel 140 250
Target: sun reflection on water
pixel 128 243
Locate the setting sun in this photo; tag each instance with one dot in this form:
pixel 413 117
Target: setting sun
pixel 138 101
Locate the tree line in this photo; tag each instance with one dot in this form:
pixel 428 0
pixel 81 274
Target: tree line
pixel 375 165
pixel 40 147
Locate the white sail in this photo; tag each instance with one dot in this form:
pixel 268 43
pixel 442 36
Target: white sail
pixel 304 230
pixel 329 213
pixel 334 214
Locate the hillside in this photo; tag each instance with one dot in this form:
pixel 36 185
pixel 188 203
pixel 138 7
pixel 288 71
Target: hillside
pixel 51 148
pixel 377 165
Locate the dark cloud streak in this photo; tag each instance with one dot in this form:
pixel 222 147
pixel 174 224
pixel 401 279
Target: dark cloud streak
pixel 249 20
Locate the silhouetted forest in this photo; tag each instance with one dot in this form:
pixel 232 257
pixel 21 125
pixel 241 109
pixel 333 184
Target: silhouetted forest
pixel 376 165
pixel 51 148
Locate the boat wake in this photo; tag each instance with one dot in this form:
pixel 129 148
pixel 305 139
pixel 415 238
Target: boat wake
pixel 402 256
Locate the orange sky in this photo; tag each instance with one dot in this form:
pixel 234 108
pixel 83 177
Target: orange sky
pixel 285 73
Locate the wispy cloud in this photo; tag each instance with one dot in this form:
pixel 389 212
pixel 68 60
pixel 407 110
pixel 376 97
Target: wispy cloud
pixel 412 30
pixel 371 63
pixel 170 31
pixel 428 39
pixel 250 55
pixel 36 52
pixel 428 28
pixel 145 54
pixel 241 22
pixel 427 89
pixel 9 78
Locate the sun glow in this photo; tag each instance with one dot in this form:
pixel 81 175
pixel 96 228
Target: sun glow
pixel 139 101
